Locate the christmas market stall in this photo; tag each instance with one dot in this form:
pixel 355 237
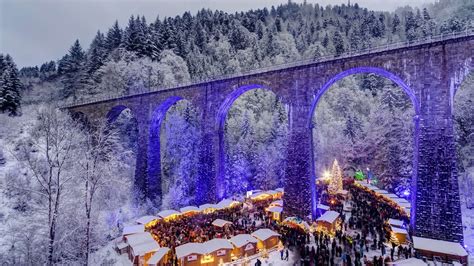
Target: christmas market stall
pixel 133 229
pixel 396 223
pixel 278 203
pixel 208 208
pixel 399 235
pixel 160 258
pixel 440 250
pixel 142 247
pixel 189 210
pixel 328 223
pixel 275 212
pixel 169 215
pixel 226 203
pixel 221 223
pixel 260 196
pixel 190 254
pixel 321 209
pixel 244 245
pixel 267 238
pixel 296 222
pixel 217 251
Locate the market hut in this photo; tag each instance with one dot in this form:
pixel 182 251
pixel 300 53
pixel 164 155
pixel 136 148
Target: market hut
pixel 267 238
pixel 400 234
pixel 278 203
pixel 121 247
pixel 396 223
pixel 244 245
pixel 276 212
pixel 217 252
pixel 142 247
pixel 148 220
pixel 440 249
pixel 321 209
pixel 273 193
pixel 208 208
pixel 260 196
pixel 160 258
pixel 281 191
pixel 328 223
pixel 133 229
pixel 297 223
pixel 169 215
pixel 221 223
pixel 226 203
pixel 189 210
pixel 190 254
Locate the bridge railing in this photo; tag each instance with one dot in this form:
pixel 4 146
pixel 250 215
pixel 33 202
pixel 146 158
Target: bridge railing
pixel 301 62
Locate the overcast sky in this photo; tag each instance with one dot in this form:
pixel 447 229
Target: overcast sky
pixel 36 31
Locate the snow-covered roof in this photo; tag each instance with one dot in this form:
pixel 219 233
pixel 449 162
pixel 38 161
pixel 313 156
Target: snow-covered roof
pixel 259 194
pixel 399 230
pixel 395 222
pixel 392 196
pixel 281 190
pixel 158 255
pixel 381 191
pixel 242 240
pixel 400 200
pixel 207 206
pixel 146 219
pixel 168 213
pixel 440 246
pixel 189 209
pixel 226 203
pixel 133 229
pixel 329 216
pixel 264 234
pixel 410 262
pixel 216 244
pixel 277 203
pixel 272 192
pixel 140 238
pixel 188 249
pixel 143 248
pixel 323 207
pixel 404 204
pixel 220 222
pixel 122 245
pixel 275 209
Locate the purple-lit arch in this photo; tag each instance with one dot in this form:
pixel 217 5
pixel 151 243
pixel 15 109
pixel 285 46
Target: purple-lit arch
pixel 416 105
pixel 154 147
pixel 220 124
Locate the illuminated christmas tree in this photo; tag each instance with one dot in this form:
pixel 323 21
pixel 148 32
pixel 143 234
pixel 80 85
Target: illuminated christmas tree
pixel 335 184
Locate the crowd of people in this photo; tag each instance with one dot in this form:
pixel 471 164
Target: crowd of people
pixel 361 235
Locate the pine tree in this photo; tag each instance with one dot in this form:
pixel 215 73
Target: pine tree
pixel 75 76
pixel 10 86
pixel 114 37
pixel 395 23
pixel 97 53
pixel 335 185
pixel 338 43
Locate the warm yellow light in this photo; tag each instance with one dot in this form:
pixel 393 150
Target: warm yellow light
pixel 326 175
pixel 207 258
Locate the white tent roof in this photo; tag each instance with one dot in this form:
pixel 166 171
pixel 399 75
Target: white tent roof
pixel 395 222
pixel 216 244
pixel 399 230
pixel 323 207
pixel 440 246
pixel 264 234
pixel 146 219
pixel 220 222
pixel 242 240
pixel 410 262
pixel 143 248
pixel 277 203
pixel 329 216
pixel 158 255
pixel 189 209
pixel 133 229
pixel 167 213
pixel 275 209
pixel 189 248
pixel 207 206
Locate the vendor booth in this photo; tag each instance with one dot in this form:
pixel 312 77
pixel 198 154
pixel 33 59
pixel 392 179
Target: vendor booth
pixel 148 220
pixel 190 254
pixel 217 252
pixel 244 245
pixel 296 222
pixel 160 258
pixel 400 234
pixel 276 212
pixel 133 229
pixel 278 203
pixel 142 247
pixel 328 223
pixel 208 208
pixel 189 210
pixel 169 215
pixel 221 223
pixel 267 238
pixel 442 250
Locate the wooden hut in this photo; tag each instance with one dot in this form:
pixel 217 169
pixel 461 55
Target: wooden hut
pixel 160 258
pixel 190 254
pixel 244 245
pixel 444 251
pixel 217 251
pixel 276 212
pixel 189 210
pixel 267 238
pixel 142 247
pixel 400 234
pixel 208 208
pixel 328 223
pixel 221 223
pixel 169 215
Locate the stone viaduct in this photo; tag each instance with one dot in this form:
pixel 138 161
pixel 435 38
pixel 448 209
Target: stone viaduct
pixel 429 72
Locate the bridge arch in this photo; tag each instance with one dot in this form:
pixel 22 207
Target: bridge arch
pixel 220 126
pixel 415 103
pixel 154 175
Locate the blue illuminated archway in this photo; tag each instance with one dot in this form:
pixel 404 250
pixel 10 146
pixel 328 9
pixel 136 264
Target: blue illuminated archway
pixel 154 151
pixel 220 124
pixel 416 105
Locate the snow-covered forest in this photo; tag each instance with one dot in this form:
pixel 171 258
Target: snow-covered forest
pixel 63 195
